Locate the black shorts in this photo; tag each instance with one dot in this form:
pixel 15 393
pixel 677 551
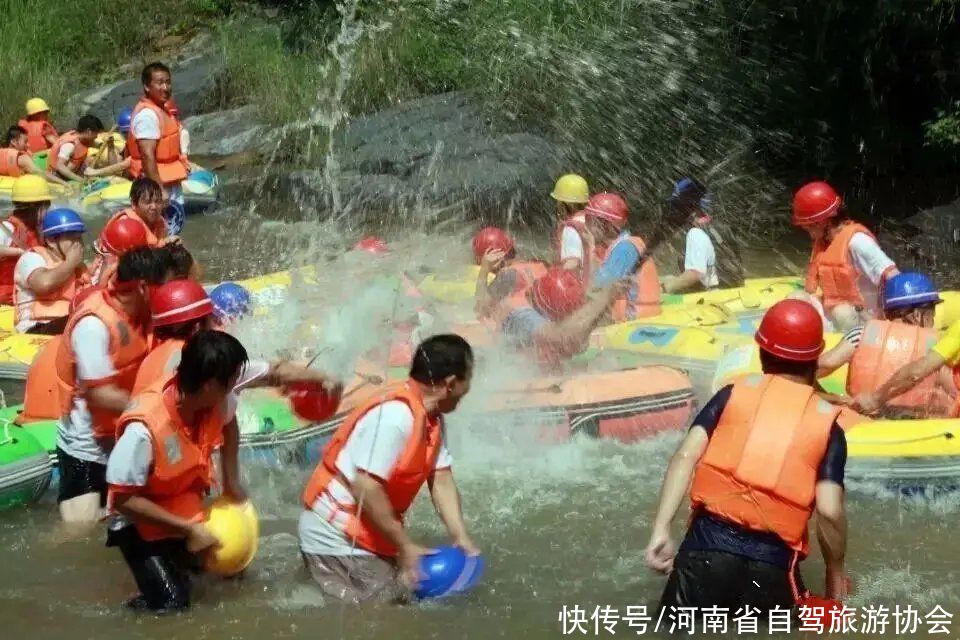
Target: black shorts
pixel 80 477
pixel 161 569
pixel 714 578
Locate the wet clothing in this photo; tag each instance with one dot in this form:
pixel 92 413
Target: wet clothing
pixel 709 533
pixel 357 578
pixel 79 477
pixel 161 568
pixel 620 263
pixel 716 578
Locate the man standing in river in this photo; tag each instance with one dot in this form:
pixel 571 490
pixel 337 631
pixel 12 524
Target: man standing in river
pixel 154 143
pixel 352 534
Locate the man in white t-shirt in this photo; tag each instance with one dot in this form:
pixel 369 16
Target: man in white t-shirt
pixel 352 535
pixel 689 203
pixel 159 154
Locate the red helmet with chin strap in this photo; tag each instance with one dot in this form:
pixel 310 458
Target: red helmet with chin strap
pixel 558 293
pixel 490 238
pixel 610 207
pixel 815 202
pixel 792 330
pixel 179 301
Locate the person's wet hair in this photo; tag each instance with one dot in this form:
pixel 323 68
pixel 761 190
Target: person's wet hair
pixel 89 123
pixel 147 74
pixel 210 355
pixel 182 260
pixel 145 190
pixel 441 356
pixel 149 264
pixel 13 133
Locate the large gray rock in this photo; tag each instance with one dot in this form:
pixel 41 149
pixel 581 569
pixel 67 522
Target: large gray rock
pixel 928 241
pixel 194 78
pixel 225 133
pixel 442 153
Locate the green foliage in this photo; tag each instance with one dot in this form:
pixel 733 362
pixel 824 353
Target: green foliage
pixel 54 49
pixel 944 132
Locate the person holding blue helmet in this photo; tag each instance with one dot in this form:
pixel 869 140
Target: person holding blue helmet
pixel 876 350
pixel 231 301
pixel 48 276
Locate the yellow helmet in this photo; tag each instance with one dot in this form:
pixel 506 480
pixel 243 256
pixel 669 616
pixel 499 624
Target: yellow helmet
pixel 36 105
pixel 30 188
pixel 571 188
pixel 237 529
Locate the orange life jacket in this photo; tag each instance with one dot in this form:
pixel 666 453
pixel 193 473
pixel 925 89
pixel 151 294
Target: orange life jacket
pixel 154 366
pixel 78 157
pixel 182 469
pixel 413 467
pixel 41 399
pixel 884 348
pixel 128 348
pixel 37 131
pixel 171 163
pixel 155 233
pixel 23 238
pixel 832 271
pixel 760 467
pixel 10 162
pixel 55 304
pixel 643 299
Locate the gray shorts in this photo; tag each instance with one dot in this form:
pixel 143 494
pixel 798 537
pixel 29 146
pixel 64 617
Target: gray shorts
pixel 357 578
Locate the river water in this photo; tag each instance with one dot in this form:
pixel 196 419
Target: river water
pixel 562 525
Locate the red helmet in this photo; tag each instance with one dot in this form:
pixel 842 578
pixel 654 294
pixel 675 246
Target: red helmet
pixel 179 301
pixel 490 238
pixel 372 244
pixel 558 293
pixel 610 207
pixel 814 203
pixel 312 402
pixel 122 235
pixel 792 330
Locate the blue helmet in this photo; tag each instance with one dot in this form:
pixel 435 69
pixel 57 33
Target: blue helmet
pixel 909 289
pixel 448 571
pixel 61 220
pixel 230 300
pixel 124 119
pixel 688 191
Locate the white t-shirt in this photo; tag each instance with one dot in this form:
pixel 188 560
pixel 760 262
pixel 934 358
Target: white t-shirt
pixel 376 443
pixel 146 125
pixel 700 256
pixel 26 265
pixel 90 342
pixel 571 244
pixel 870 262
pixel 66 151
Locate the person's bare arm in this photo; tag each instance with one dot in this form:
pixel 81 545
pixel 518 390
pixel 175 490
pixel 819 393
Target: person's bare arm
pixel 661 549
pixel 283 373
pixel 686 281
pixel 107 396
pixel 832 535
pixel 906 378
pixel 446 500
pixel 110 170
pixel 148 153
pixel 482 300
pixel 229 455
pixel 835 358
pixel 27 165
pixel 45 280
pixel 139 508
pixel 575 329
pixel 63 168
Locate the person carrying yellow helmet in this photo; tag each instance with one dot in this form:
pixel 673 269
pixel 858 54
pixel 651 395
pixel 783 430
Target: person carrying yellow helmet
pixel 18 233
pixel 41 133
pixel 572 194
